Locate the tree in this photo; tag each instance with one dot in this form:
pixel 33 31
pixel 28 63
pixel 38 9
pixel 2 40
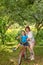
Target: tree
pixel 11 11
pixel 38 15
pixel 19 11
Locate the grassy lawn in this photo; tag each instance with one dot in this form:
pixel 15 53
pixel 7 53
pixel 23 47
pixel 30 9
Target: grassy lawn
pixel 9 57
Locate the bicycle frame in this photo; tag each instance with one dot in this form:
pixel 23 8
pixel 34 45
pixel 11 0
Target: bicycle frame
pixel 22 54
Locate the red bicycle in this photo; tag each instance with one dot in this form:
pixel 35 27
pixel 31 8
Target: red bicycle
pixel 22 54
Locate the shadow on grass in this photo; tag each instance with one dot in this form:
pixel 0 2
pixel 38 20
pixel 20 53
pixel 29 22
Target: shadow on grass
pixel 9 44
pixel 10 57
pixel 7 58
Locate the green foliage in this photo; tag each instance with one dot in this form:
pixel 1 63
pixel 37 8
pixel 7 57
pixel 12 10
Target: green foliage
pixel 39 38
pixel 2 30
pixel 19 11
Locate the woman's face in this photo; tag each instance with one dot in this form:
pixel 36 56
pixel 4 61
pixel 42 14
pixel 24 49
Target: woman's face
pixel 27 30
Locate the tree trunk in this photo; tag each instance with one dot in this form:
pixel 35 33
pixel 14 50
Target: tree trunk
pixel 3 38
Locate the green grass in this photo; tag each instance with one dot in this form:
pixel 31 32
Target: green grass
pixel 9 57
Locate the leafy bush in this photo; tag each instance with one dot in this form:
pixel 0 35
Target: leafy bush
pixel 39 37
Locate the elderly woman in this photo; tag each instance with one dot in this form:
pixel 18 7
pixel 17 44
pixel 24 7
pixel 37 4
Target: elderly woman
pixel 31 42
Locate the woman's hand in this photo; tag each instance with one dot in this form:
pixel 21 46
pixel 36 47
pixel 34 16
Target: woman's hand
pixel 28 39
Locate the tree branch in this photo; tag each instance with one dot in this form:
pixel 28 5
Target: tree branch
pixel 35 17
pixel 22 17
pixel 9 25
pixel 39 1
pixel 38 26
